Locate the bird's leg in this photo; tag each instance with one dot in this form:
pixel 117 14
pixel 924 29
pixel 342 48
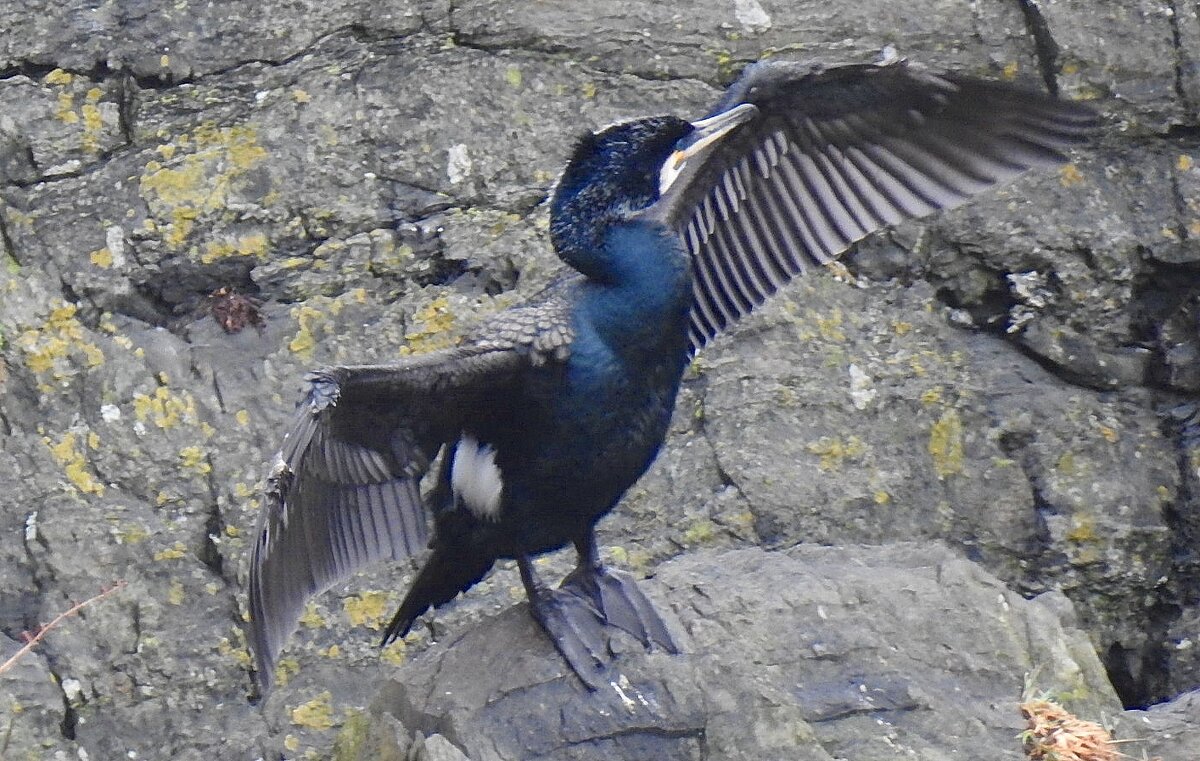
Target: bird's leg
pixel 575 627
pixel 616 597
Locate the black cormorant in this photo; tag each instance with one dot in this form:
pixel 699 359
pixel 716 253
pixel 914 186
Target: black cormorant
pixel 549 412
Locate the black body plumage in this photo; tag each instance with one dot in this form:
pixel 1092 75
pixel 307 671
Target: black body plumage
pixel 549 412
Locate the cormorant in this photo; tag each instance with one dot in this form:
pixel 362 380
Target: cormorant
pixel 549 412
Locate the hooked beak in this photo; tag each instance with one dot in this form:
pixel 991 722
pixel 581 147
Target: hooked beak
pixel 708 132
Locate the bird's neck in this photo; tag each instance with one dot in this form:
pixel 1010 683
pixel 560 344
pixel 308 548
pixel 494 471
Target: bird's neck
pixel 639 288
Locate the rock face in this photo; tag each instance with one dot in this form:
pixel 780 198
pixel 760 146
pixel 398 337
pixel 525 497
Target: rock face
pixel 814 653
pixel 1014 381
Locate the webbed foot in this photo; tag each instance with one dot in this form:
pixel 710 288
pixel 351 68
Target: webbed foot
pixel 618 601
pixel 590 599
pixel 575 627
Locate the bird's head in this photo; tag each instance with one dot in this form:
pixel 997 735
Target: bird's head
pixel 621 170
pixel 615 172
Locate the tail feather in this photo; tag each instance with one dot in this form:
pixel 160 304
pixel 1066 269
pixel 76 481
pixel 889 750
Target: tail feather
pixel 441 579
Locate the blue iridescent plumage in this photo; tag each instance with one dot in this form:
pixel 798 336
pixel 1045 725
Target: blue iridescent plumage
pixel 547 413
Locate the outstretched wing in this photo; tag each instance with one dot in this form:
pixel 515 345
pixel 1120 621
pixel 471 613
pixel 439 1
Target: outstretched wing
pixel 836 154
pixel 344 491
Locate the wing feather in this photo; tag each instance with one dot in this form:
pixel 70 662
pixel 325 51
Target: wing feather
pixel 345 488
pixel 835 154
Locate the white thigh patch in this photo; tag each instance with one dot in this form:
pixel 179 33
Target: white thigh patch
pixel 475 479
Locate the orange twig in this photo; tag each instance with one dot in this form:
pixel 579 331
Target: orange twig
pixel 34 639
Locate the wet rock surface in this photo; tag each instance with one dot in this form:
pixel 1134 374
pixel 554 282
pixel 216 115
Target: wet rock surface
pixel 1011 386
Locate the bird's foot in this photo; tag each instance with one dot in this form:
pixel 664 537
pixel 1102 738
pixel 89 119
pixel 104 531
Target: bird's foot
pixel 619 603
pixel 577 630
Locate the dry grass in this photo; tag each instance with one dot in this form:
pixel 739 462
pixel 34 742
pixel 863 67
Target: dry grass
pixel 1054 734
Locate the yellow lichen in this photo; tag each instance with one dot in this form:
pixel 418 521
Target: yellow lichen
pixel 242 417
pixel 130 534
pixel 285 670
pixel 395 654
pixel 255 245
pixel 174 552
pixel 199 183
pixel 195 459
pixel 68 455
pixel 312 618
pixel 881 497
pixel 237 651
pixel 1010 70
pixel 316 713
pixel 175 593
pixel 102 257
pixel 333 651
pixel 1184 162
pixel 303 343
pixel 830 326
pixel 164 409
pixel 58 77
pixel 65 111
pixel 1066 464
pixel 701 531
pixel 946 444
pixel 93 127
pixel 53 349
pixel 1083 529
pixel 1070 175
pixel 368 609
pixel 433 326
pixel 834 451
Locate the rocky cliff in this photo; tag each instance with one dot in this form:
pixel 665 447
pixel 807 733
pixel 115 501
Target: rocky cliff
pixel 988 425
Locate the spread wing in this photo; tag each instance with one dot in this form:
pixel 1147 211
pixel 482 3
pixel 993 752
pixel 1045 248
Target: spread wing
pixel 344 491
pixel 836 154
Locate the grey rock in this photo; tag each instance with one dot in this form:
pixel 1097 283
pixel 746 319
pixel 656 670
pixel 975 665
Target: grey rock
pixel 814 653
pixel 1136 53
pixel 187 39
pixel 991 379
pixel 1167 730
pixel 34 706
